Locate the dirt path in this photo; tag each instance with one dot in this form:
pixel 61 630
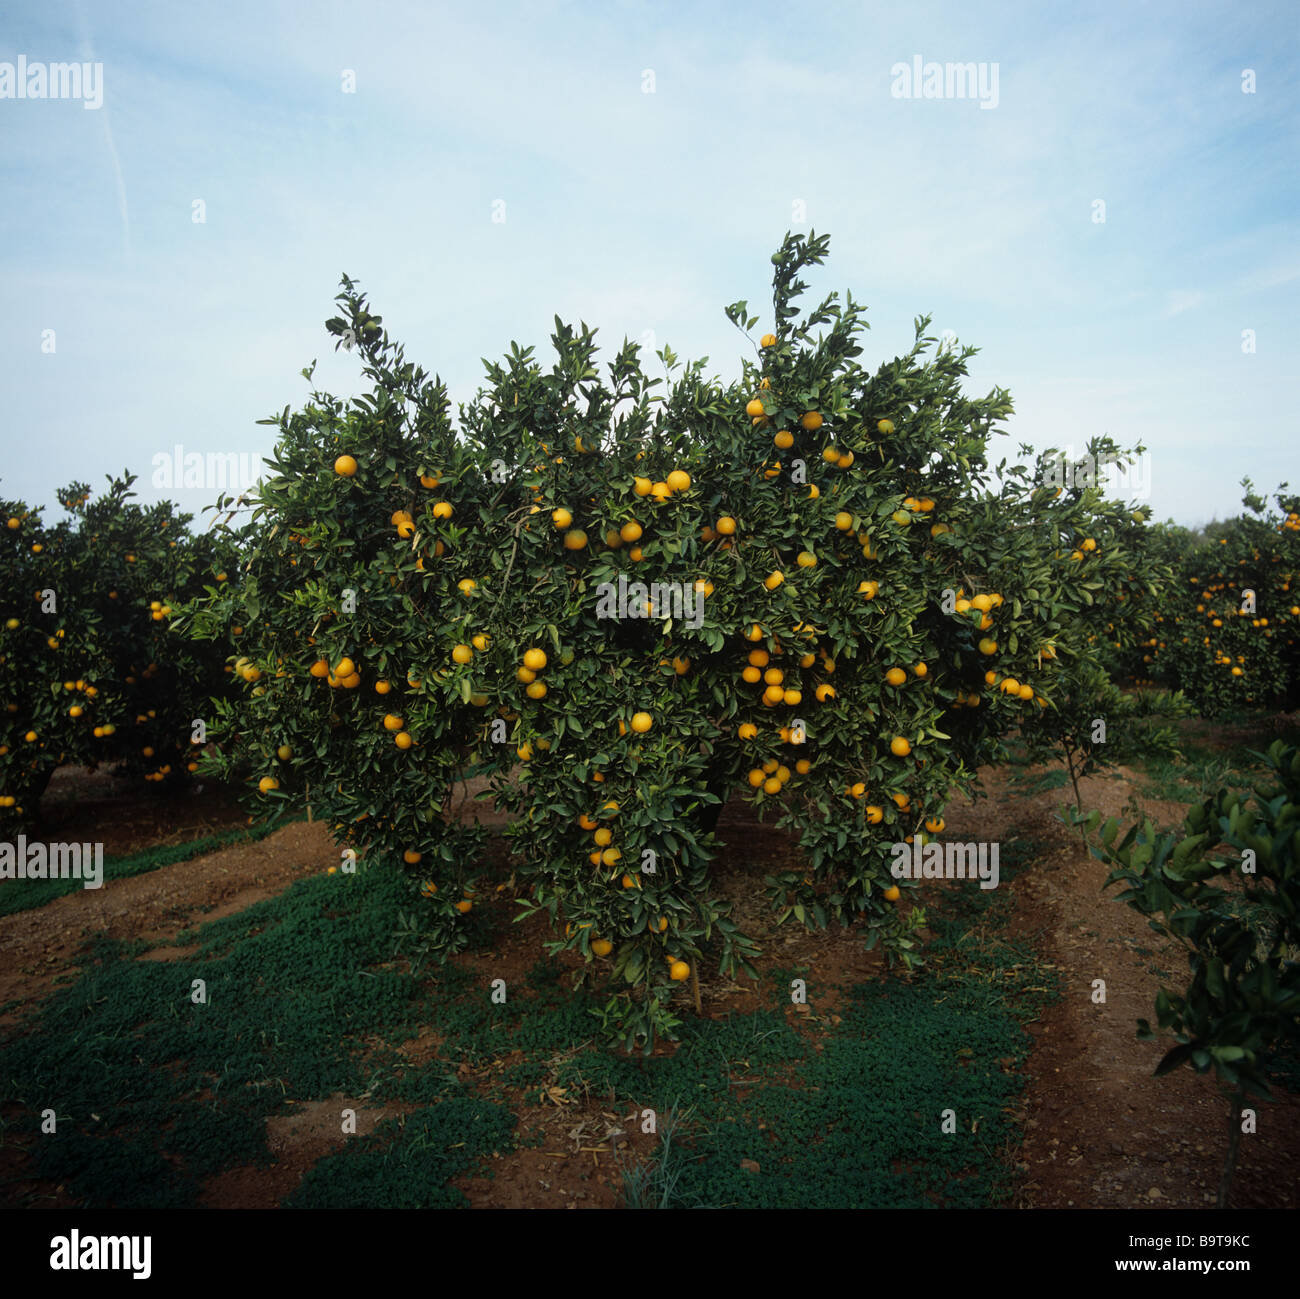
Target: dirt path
pixel 38 946
pixel 1100 1130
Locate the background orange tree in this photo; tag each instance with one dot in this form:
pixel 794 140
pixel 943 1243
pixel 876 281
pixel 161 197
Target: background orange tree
pixel 1229 634
pixel 422 604
pixel 89 670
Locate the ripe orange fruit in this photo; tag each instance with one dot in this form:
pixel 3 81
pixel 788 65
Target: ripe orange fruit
pixel 774 579
pixel 411 857
pixel 875 814
pixel 402 739
pixel 641 722
pixel 754 409
pixel 811 420
pixel 575 539
pixel 284 753
pixel 462 654
pixel 464 906
pixel 679 971
pixel 895 676
pixel 345 466
pixel 768 340
pixel 988 646
pixel 893 893
pixel 267 784
pixel 561 518
pixel 601 947
pixel 900 747
pixel 678 481
pixel 783 439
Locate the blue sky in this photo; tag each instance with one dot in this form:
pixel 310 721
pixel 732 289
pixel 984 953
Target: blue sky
pixel 650 211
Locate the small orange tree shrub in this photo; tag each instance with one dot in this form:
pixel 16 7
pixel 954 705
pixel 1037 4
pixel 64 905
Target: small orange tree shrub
pixel 622 599
pixel 1229 636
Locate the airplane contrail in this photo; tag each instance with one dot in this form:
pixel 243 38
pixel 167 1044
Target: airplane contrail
pixel 88 54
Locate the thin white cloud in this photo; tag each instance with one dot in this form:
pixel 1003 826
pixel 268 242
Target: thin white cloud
pixel 1271 277
pixel 1183 300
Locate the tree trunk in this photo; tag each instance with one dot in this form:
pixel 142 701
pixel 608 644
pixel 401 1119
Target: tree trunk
pixel 32 798
pixel 1234 1141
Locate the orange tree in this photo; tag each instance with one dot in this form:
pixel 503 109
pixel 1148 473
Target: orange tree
pixel 512 600
pixel 1230 636
pixel 1090 721
pixel 89 672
